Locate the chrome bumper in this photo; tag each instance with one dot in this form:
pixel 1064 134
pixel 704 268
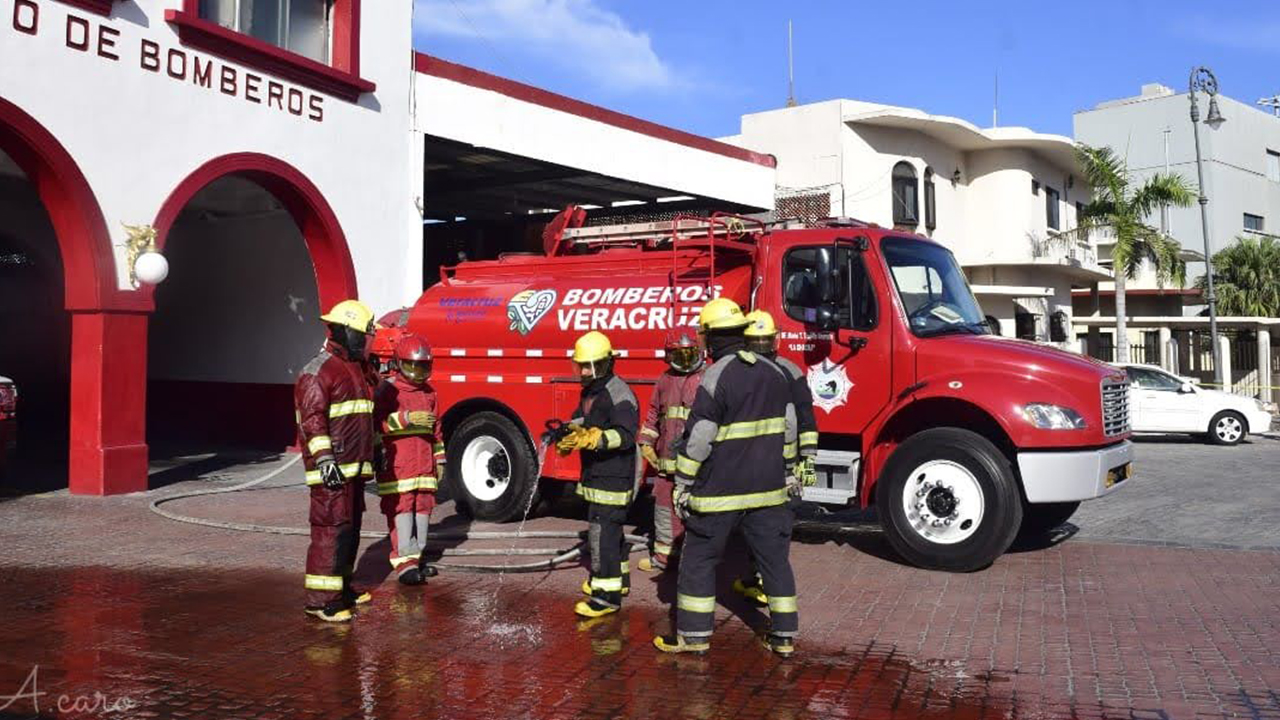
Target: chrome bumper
pixel 1076 475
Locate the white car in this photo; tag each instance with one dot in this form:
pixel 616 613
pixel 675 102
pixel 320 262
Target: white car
pixel 1160 402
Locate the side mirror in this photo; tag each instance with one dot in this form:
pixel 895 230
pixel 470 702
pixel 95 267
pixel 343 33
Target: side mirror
pixel 828 275
pixel 826 317
pixel 1186 388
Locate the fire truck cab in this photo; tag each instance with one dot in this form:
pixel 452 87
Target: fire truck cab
pixel 961 439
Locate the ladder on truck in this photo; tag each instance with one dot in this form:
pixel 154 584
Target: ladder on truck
pixel 725 231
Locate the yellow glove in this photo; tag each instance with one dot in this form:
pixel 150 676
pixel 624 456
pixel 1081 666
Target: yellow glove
pixel 651 457
pixel 589 438
pixel 569 442
pixel 422 419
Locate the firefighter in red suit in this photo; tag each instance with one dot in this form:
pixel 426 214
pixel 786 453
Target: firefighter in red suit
pixel 413 455
pixel 334 403
pixel 668 409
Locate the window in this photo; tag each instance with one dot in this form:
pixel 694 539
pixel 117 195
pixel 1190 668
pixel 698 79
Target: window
pixel 1051 208
pixel 906 196
pixel 300 26
pixel 1024 324
pixel 1273 166
pixel 930 200
pixel 1035 187
pixel 1152 379
pixel 1058 322
pixel 1253 222
pixel 1079 212
pixel 800 288
pixel 932 288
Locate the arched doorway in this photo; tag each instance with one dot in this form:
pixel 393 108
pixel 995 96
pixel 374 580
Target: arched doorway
pixel 55 215
pixel 255 253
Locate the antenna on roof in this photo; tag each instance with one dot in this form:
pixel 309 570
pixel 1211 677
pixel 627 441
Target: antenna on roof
pixel 1272 102
pixel 995 103
pixel 791 71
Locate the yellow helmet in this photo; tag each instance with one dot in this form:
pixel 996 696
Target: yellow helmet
pixel 721 314
pixel 592 347
pixel 762 324
pixel 351 313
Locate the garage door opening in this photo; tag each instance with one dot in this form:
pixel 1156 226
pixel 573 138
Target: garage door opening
pixel 234 323
pixel 35 334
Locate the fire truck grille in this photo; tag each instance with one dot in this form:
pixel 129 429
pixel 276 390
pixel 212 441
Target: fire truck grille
pixel 1115 407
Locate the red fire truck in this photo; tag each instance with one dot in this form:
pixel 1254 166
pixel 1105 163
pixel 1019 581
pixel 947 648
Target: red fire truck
pixel 961 439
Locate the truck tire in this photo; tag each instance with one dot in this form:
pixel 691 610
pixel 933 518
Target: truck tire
pixel 949 474
pixel 492 470
pixel 1040 518
pixel 1227 428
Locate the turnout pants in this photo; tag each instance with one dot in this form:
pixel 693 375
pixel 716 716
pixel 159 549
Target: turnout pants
pixel 768 535
pixel 335 536
pixel 408 516
pixel 668 530
pixel 610 571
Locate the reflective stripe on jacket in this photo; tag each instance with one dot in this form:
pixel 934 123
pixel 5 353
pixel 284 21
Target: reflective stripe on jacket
pixel 739 443
pixel 334 405
pixel 668 410
pixel 414 455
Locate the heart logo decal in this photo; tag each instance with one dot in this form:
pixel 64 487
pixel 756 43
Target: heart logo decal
pixel 527 307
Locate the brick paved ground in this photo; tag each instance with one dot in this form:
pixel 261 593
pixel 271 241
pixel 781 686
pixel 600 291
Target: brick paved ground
pixel 104 597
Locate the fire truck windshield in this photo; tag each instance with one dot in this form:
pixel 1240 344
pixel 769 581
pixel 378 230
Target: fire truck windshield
pixel 933 289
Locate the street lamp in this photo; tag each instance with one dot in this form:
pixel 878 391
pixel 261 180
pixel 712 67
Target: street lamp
pixel 1202 79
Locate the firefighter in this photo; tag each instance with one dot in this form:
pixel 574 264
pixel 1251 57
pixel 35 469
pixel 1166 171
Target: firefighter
pixel 668 408
pixel 334 403
pixel 762 339
pixel 732 472
pixel 413 456
pixel 603 431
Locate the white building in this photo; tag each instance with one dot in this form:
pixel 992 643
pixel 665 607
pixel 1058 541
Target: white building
pixel 996 197
pixel 286 154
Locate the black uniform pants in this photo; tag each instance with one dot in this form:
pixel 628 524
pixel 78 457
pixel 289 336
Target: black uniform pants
pixel 768 535
pixel 610 572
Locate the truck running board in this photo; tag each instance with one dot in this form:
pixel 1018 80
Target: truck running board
pixel 837 477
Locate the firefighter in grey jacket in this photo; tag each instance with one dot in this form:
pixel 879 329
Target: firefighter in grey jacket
pixel 735 470
pixel 603 430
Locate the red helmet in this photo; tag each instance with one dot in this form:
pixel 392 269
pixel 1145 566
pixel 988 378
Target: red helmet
pixel 682 350
pixel 413 358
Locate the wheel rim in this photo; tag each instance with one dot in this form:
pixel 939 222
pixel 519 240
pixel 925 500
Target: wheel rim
pixel 943 502
pixel 485 468
pixel 1229 429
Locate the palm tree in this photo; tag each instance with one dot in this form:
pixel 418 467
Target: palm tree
pixel 1247 278
pixel 1122 208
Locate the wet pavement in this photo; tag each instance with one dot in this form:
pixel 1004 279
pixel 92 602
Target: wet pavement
pixel 111 611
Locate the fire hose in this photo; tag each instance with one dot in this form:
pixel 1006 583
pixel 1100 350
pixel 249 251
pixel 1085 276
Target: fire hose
pixel 559 555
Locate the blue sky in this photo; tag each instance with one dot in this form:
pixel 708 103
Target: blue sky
pixel 700 64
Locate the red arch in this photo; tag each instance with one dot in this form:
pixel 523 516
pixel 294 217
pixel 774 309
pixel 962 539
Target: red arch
pixel 326 243
pixel 83 240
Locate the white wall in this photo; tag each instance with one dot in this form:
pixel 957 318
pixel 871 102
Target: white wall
pixel 136 134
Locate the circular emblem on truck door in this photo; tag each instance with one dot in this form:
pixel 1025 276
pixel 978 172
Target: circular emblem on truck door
pixel 829 384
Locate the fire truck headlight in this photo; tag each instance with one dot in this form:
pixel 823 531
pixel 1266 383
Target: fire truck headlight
pixel 1052 417
pixel 151 268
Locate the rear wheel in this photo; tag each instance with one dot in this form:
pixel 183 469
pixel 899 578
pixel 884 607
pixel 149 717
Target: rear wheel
pixel 1040 518
pixel 948 500
pixel 1227 428
pixel 492 469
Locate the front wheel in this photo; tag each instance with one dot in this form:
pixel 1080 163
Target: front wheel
pixel 1226 428
pixel 948 500
pixel 492 469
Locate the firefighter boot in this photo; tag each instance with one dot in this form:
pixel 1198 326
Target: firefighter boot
pixel 354 598
pixel 586 588
pixel 751 590
pixel 781 646
pixel 411 575
pixel 594 607
pixel 681 644
pixel 333 611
